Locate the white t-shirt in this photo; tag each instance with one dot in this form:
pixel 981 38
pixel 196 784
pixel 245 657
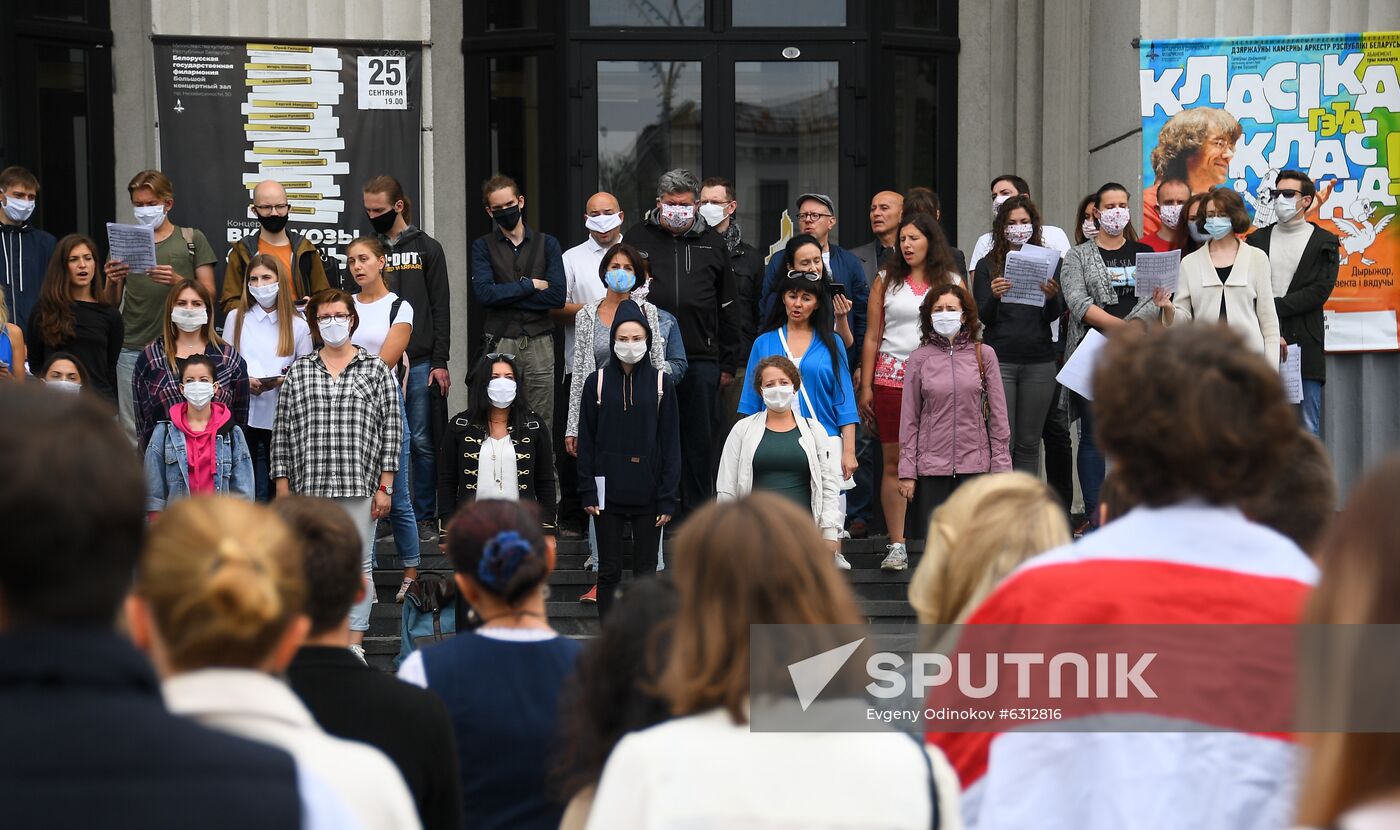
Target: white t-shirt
pixel 258 347
pixel 374 321
pixel 581 285
pixel 1052 236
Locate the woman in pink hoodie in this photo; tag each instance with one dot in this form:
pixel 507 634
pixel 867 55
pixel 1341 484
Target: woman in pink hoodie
pixel 199 449
pixel 953 423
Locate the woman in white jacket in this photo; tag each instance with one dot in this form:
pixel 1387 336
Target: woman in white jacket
pixel 778 451
pixel 1227 281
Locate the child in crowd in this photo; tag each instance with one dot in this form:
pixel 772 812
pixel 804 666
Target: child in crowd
pixel 198 449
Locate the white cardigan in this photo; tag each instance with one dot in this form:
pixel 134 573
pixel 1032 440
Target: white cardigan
pixel 736 468
pixel 1248 292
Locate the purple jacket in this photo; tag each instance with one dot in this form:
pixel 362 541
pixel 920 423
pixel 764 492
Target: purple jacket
pixel 941 430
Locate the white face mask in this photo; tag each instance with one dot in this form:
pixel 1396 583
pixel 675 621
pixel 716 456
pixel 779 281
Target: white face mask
pixel 632 352
pixel 64 386
pixel 189 319
pixel 778 398
pixel 947 323
pixel 1285 208
pixel 1114 220
pixel 19 210
pixel 199 393
pixel 266 295
pixel 1090 229
pixel 712 214
pixel 603 222
pixel 501 392
pixel 996 203
pixel 1019 234
pixel 149 215
pixel 1171 215
pixel 335 334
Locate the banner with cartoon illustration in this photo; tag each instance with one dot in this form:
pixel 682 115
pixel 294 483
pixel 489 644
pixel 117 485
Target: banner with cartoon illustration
pixel 1233 112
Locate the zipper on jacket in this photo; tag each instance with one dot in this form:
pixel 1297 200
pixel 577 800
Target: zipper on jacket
pixel 953 370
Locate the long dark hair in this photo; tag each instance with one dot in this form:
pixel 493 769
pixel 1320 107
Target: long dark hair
pixel 479 405
pixel 824 317
pixel 612 694
pixel 996 260
pixel 640 266
pixel 940 261
pixel 1084 205
pixel 1183 238
pixel 54 316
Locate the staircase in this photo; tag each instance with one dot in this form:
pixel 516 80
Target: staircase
pixel 882 595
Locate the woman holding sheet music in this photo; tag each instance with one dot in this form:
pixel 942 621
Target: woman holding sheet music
pixel 1018 330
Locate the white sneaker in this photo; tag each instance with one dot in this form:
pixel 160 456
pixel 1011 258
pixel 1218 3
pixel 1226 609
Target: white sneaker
pixel 842 563
pixel 898 558
pixel 359 651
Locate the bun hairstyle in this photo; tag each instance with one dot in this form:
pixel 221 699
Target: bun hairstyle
pixel 498 545
pixel 223 579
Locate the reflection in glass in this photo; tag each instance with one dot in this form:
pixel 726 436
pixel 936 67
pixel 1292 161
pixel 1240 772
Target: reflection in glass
pixel 914 138
pixel 511 14
pixel 646 12
pixel 515 123
pixel 648 123
pixel 786 141
pixel 809 13
pixel 62 121
pixel 918 14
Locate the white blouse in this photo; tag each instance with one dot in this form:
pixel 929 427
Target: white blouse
pixel 257 345
pixel 497 477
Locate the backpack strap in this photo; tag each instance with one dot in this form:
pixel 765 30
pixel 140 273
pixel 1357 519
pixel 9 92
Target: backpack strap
pixel 188 234
pixel 394 311
pixel 660 389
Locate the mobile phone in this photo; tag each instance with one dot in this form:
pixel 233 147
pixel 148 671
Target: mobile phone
pixel 838 288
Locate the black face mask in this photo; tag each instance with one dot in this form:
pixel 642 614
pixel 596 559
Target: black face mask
pixel 384 221
pixel 508 218
pixel 273 224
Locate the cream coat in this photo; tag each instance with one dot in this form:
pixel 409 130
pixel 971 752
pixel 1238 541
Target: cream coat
pixel 1248 292
pixel 736 468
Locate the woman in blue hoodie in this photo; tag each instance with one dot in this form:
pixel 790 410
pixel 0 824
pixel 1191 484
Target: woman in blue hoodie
pixel 629 457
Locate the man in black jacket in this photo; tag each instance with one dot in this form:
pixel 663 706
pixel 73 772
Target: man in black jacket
pixel 1303 260
pixel 416 270
pixel 349 699
pixel 87 739
pixel 692 278
pixel 717 207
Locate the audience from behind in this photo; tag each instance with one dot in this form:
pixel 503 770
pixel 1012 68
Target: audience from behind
pixel 1114 504
pixel 1189 446
pixel 613 693
pixel 1301 500
pixel 218 606
pixel 977 537
pixel 501 682
pixel 197 449
pixel 349 699
pixel 1351 780
pixel 705 769
pixel 86 734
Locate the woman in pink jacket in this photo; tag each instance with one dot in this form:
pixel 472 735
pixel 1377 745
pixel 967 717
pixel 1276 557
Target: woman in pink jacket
pixel 953 422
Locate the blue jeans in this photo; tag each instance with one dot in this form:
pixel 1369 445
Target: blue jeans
pixel 359 510
pixel 860 497
pixel 1090 462
pixel 419 417
pixel 126 403
pixel 1312 406
pixel 401 515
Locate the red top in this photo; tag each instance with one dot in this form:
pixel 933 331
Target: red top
pixel 1158 244
pixel 201 452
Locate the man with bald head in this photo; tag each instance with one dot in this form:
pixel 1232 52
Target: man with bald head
pixel 886 211
pixel 298 255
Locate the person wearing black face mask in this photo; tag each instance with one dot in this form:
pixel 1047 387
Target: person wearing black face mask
pixel 298 255
pixel 518 275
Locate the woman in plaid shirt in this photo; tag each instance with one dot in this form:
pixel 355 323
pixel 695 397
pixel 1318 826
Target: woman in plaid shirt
pixel 338 430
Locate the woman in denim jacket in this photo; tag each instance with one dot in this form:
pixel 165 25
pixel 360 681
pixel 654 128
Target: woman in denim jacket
pixel 199 449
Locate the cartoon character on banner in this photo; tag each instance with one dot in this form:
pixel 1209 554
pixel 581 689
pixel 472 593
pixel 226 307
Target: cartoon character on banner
pixel 1262 199
pixel 1357 232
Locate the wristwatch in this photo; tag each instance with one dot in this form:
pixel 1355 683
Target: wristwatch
pixel 386 489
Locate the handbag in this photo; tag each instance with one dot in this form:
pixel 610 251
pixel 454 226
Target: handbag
pixel 986 402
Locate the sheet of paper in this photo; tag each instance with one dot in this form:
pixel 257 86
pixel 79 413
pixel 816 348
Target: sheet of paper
pixel 602 485
pixel 1078 372
pixel 1027 269
pixel 133 244
pixel 1291 371
pixel 1360 331
pixel 1157 269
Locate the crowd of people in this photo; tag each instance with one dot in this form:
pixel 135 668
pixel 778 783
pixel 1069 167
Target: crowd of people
pixel 760 413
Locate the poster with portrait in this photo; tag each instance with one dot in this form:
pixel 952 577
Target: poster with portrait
pixel 1233 112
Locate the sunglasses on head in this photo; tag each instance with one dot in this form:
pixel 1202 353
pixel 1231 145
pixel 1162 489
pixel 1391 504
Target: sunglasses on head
pixel 810 276
pixel 1290 193
pixel 499 356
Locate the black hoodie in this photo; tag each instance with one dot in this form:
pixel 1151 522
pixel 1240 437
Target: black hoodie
pixel 416 270
pixel 630 439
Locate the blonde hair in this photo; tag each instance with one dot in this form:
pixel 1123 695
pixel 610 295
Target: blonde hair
pixel 223 579
pixel 156 181
pixel 286 303
pixel 986 529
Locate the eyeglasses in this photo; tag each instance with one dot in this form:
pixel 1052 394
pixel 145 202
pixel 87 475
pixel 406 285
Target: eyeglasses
pixel 809 276
pixel 332 318
pixel 1220 143
pixel 1290 193
pixel 499 356
pixel 812 217
pixel 269 210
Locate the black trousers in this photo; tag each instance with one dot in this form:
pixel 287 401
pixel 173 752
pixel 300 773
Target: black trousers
pixel 929 493
pixel 697 396
pixel 1059 452
pixel 260 448
pixel 646 536
pixel 571 513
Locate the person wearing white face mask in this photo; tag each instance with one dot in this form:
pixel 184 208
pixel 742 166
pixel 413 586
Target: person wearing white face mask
pixel 497 448
pixel 1003 187
pixel 63 372
pixel 1228 281
pixel 719 207
pixel 778 451
pixel 1172 196
pixel 188 330
pixel 1303 267
pixel 269 334
pixel 25 248
pixel 953 423
pixel 199 449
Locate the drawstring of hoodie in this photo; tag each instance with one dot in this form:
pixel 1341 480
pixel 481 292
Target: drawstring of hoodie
pixel 629 398
pixel 19 261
